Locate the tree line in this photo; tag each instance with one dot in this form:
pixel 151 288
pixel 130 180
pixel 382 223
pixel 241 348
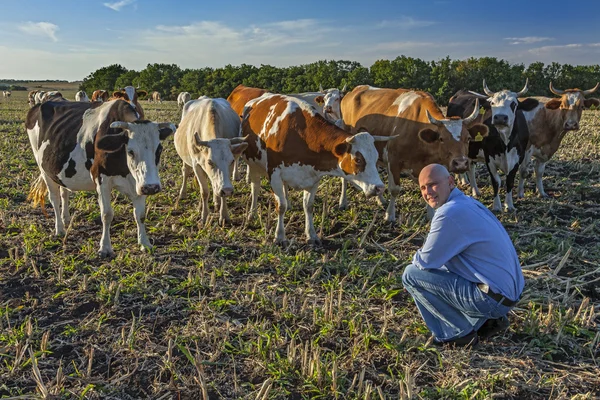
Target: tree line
pixel 441 78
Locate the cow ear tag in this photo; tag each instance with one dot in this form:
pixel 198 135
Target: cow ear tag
pixel 481 111
pixel 478 137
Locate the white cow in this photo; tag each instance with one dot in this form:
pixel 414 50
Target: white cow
pixel 183 98
pixel 208 142
pixel 82 96
pixel 6 93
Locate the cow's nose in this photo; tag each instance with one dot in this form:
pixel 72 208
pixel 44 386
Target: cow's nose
pixel 459 164
pixel 376 191
pixel 225 192
pixel 500 119
pixel 151 189
pixel 571 125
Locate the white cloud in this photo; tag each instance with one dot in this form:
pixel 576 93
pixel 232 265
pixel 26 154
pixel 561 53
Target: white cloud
pixel 119 4
pixel 552 49
pixel 528 39
pixel 40 29
pixel 404 23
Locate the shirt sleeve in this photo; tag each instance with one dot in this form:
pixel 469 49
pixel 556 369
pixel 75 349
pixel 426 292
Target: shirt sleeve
pixel 444 241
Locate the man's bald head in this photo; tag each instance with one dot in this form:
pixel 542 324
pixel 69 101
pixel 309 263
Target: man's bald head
pixel 435 183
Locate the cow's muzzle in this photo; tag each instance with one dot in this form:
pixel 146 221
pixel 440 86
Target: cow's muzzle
pixel 571 126
pixel 226 192
pixel 459 165
pixel 500 119
pixel 376 191
pixel 150 189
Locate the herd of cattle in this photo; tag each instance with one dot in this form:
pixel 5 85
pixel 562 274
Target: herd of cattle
pixel 293 140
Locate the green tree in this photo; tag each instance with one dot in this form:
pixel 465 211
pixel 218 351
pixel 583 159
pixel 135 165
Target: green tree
pixel 103 78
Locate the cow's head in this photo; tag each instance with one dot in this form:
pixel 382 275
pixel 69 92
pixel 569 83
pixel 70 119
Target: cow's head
pixel 142 148
pixel 449 138
pixel 357 158
pixel 504 106
pixel 571 104
pixel 216 157
pixel 332 101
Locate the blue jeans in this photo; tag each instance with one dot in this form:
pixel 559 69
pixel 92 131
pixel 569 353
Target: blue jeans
pixel 451 306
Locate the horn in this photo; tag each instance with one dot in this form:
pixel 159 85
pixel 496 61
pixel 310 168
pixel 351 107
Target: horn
pixel 350 139
pixel 344 88
pixel 525 88
pixel 384 138
pixel 238 140
pixel 320 88
pixel 200 142
pixel 169 125
pixel 433 120
pixel 481 96
pixel 120 124
pixel 590 91
pixel 556 91
pixel 473 115
pixel 487 90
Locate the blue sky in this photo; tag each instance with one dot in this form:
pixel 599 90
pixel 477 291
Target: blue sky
pixel 68 39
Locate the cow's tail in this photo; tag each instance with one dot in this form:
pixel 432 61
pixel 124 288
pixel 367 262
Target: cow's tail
pixel 37 194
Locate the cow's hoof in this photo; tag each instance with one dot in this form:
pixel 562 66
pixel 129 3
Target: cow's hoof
pixel 343 207
pixel 314 242
pixel 282 243
pixel 106 254
pixel 225 222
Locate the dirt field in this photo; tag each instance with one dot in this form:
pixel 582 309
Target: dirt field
pixel 217 312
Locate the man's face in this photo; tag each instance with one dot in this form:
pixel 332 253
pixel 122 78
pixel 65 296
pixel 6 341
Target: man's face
pixel 435 189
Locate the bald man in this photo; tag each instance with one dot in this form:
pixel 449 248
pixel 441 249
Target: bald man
pixel 467 276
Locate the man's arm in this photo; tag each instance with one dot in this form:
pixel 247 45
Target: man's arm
pixel 444 241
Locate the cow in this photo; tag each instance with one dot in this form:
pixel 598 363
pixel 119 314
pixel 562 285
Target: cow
pixel 548 123
pixel 493 150
pixel 81 96
pixel 6 93
pixel 130 95
pixel 294 146
pixel 39 97
pixel 95 146
pixel 31 97
pixel 154 97
pixel 100 95
pixel 207 140
pixel 241 95
pixel 423 134
pixel 53 96
pixel 183 98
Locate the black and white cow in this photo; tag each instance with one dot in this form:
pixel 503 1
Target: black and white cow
pixel 504 147
pixel 95 146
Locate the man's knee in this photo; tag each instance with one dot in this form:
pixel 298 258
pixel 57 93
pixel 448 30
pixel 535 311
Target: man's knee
pixel 409 275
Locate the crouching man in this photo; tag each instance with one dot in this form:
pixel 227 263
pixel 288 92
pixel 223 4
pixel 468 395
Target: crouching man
pixel 467 276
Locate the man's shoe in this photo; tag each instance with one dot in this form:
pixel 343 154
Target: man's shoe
pixel 466 341
pixel 492 327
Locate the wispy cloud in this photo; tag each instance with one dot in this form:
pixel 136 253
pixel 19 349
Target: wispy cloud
pixel 404 23
pixel 550 49
pixel 40 29
pixel 119 4
pixel 528 39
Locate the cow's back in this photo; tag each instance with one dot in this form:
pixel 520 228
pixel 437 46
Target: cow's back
pixel 241 95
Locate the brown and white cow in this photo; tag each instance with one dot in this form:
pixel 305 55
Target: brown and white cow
pixel 100 95
pixel 243 94
pixel 154 97
pixel 81 96
pixel 207 140
pixel 53 96
pixel 130 95
pixel 548 124
pixel 39 97
pixel 31 97
pixel 294 146
pixel 423 135
pixel 95 146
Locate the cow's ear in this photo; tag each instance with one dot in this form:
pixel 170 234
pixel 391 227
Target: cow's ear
pixel 588 103
pixel 320 100
pixel 141 92
pixel 478 132
pixel 239 148
pixel 342 149
pixel 118 95
pixel 428 135
pixel 553 104
pixel 112 143
pixel 528 104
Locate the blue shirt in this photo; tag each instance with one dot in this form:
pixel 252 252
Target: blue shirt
pixel 468 240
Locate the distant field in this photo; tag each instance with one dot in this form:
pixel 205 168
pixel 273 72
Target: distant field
pixel 217 312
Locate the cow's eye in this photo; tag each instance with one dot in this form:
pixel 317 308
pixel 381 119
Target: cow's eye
pixel 131 153
pixel 358 161
pixel 211 163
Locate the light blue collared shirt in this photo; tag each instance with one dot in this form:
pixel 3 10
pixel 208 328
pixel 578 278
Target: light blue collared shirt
pixel 468 240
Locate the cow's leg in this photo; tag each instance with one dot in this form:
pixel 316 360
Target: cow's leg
pixel 496 182
pixel 254 176
pixel 278 187
pixel 139 212
pixel 309 228
pixel 54 193
pixel 64 210
pixel 106 213
pixel 224 212
pixel 186 171
pixel 394 189
pixel 343 203
pixel 203 182
pixel 540 167
pixel 472 181
pixel 510 184
pixel 237 175
pixel 522 176
pixel 287 196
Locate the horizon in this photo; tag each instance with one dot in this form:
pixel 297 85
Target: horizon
pixel 44 43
